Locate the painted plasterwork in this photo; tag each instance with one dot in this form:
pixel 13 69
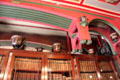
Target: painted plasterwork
pixel 103 5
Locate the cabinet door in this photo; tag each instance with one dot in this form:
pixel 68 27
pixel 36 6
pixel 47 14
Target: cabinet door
pixel 87 69
pixel 27 66
pixel 92 67
pixel 106 70
pixel 60 67
pixel 3 62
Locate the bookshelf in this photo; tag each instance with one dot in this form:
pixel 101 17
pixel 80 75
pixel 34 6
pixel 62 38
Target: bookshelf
pixel 27 68
pixel 87 70
pixel 30 65
pixel 86 67
pixel 60 67
pixel 91 67
pixel 106 70
pixel 27 65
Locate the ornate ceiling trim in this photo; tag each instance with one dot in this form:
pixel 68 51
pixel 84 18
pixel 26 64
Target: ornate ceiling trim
pixel 64 8
pixel 84 5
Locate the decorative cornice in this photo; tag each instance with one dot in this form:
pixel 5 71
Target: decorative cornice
pixel 34 15
pixel 65 8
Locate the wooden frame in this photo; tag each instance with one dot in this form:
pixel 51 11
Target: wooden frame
pixel 22 53
pixel 4 52
pixel 85 58
pixel 10 56
pixel 96 59
pixel 60 57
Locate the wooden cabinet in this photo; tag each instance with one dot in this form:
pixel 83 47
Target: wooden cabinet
pixel 60 67
pixel 92 67
pixel 106 71
pixel 87 68
pixel 28 65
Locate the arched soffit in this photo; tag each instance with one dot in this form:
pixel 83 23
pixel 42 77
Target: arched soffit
pixel 112 49
pixel 106 23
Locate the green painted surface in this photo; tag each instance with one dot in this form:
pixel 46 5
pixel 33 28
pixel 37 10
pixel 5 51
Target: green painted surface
pixel 8 43
pixel 74 35
pixel 48 5
pixel 34 15
pixel 114 53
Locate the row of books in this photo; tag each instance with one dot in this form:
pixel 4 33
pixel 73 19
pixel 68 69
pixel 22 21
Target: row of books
pixel 87 63
pixel 87 66
pixel 26 76
pixel 105 66
pixel 88 76
pixel 108 76
pixel 58 76
pixel 60 65
pixel 28 64
pixel 87 69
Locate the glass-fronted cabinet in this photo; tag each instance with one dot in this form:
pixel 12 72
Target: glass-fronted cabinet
pixel 87 68
pixel 31 65
pixel 27 65
pixel 106 71
pixel 27 68
pixel 91 67
pixel 60 67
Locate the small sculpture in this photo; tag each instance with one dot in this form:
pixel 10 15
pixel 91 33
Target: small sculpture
pixel 57 47
pixel 18 42
pixel 84 21
pixel 114 37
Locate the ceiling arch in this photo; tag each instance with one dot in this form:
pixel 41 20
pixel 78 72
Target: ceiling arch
pixel 104 23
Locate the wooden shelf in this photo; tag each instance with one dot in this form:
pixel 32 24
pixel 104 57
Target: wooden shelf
pixel 29 65
pixel 31 71
pixel 89 65
pixel 107 72
pixel 58 71
pixel 88 72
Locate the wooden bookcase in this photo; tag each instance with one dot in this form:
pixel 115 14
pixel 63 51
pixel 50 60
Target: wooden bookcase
pixel 87 69
pixel 60 67
pixel 92 67
pixel 29 65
